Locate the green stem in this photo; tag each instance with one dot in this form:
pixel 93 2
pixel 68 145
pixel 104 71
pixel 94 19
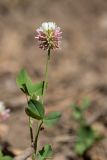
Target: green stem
pixel 43 94
pixel 36 138
pixel 46 74
pixel 30 126
pixel 31 131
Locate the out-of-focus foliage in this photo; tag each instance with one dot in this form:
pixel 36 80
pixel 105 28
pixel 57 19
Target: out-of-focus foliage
pixel 86 135
pixel 2 157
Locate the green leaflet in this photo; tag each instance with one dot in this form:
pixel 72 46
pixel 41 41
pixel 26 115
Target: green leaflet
pixel 25 83
pixel 35 109
pixel 51 118
pixel 45 153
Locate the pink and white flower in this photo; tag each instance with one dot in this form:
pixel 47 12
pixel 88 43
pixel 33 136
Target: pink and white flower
pixel 4 113
pixel 49 36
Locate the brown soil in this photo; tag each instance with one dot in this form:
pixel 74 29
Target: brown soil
pixel 77 70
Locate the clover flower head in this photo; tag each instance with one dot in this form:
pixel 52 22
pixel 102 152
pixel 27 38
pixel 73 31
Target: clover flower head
pixel 49 36
pixel 4 113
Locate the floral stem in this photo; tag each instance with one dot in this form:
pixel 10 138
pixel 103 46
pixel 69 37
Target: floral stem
pixel 43 94
pixel 46 74
pixel 30 126
pixel 31 131
pixel 36 138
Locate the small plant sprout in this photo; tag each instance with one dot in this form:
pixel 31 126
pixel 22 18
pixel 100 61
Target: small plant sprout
pixel 86 135
pixel 48 36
